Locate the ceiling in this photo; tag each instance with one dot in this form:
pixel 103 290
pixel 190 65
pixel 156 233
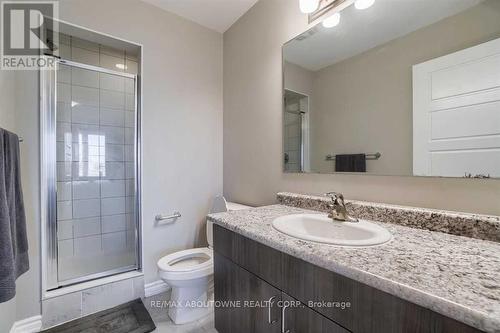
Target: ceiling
pixel 362 30
pixel 217 15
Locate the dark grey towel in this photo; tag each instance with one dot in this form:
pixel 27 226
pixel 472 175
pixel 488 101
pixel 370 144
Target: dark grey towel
pixel 350 163
pixel 13 238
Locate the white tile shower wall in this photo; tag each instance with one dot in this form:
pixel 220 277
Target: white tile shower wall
pixel 95 154
pixel 84 77
pixel 64 191
pixel 102 297
pixel 65 230
pixel 112 188
pixel 78 304
pixel 114 223
pixel 86 52
pixel 84 44
pixel 61 309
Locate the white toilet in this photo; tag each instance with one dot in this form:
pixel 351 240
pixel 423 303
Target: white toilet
pixel 190 273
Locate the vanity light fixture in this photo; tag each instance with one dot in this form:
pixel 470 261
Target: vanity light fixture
pixel 326 7
pixel 363 4
pixel 332 21
pixel 308 6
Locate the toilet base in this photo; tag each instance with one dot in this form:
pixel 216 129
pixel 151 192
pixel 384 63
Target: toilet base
pixel 189 304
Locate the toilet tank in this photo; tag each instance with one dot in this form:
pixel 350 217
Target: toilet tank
pixel 220 205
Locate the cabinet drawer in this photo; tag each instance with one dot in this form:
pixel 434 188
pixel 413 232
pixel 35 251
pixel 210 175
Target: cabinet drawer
pixel 255 257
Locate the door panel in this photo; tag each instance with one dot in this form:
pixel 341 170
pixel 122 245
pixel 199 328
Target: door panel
pixel 468 77
pixel 244 303
pixel 301 319
pixel 475 120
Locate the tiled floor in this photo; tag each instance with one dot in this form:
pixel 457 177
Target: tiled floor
pixel 165 325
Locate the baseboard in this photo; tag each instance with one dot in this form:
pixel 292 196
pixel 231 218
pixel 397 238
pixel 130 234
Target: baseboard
pixel 154 288
pixel 28 325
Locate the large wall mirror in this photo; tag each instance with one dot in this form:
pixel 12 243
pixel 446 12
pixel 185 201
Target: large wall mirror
pixel 401 88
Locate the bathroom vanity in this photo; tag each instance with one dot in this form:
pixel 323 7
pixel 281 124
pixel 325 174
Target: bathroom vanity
pixel 420 281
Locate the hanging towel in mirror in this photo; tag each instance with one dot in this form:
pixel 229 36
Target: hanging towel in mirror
pixel 13 238
pixel 350 163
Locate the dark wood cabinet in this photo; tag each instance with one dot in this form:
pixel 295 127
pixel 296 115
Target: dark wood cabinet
pixel 246 269
pixel 298 318
pixel 262 261
pixel 244 302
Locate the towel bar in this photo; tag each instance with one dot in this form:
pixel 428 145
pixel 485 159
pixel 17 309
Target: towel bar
pixel 160 217
pixel 369 156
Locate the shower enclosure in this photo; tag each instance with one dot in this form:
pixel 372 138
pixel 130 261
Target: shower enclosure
pixel 295 137
pixel 90 173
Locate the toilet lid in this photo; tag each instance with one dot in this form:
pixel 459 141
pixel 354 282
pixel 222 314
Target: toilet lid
pixel 187 260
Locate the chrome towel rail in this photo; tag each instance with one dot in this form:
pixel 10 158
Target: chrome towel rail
pixel 369 156
pixel 174 216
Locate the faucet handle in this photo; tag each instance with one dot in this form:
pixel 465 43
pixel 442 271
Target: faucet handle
pixel 330 194
pixel 339 210
pixel 336 197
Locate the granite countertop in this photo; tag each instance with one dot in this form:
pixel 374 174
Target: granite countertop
pixel 456 276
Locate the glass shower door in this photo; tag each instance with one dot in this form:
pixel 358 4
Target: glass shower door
pixel 295 107
pixel 96 167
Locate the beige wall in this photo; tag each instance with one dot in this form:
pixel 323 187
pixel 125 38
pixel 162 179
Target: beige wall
pixel 382 117
pixel 298 79
pixel 182 129
pixel 253 121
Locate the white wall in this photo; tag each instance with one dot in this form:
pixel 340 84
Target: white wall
pixel 182 128
pixel 253 121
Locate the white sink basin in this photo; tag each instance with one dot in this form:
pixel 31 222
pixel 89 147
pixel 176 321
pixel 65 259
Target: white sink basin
pixel 320 228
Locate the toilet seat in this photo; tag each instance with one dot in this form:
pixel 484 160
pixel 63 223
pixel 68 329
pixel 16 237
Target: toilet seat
pixel 187 264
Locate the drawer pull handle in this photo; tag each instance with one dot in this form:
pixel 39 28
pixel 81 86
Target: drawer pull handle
pixel 283 328
pixel 269 316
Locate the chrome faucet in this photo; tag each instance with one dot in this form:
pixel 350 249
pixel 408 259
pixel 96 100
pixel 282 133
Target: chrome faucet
pixel 339 210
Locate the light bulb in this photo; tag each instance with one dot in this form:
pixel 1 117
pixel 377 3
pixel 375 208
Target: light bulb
pixel 332 21
pixel 308 6
pixel 363 4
